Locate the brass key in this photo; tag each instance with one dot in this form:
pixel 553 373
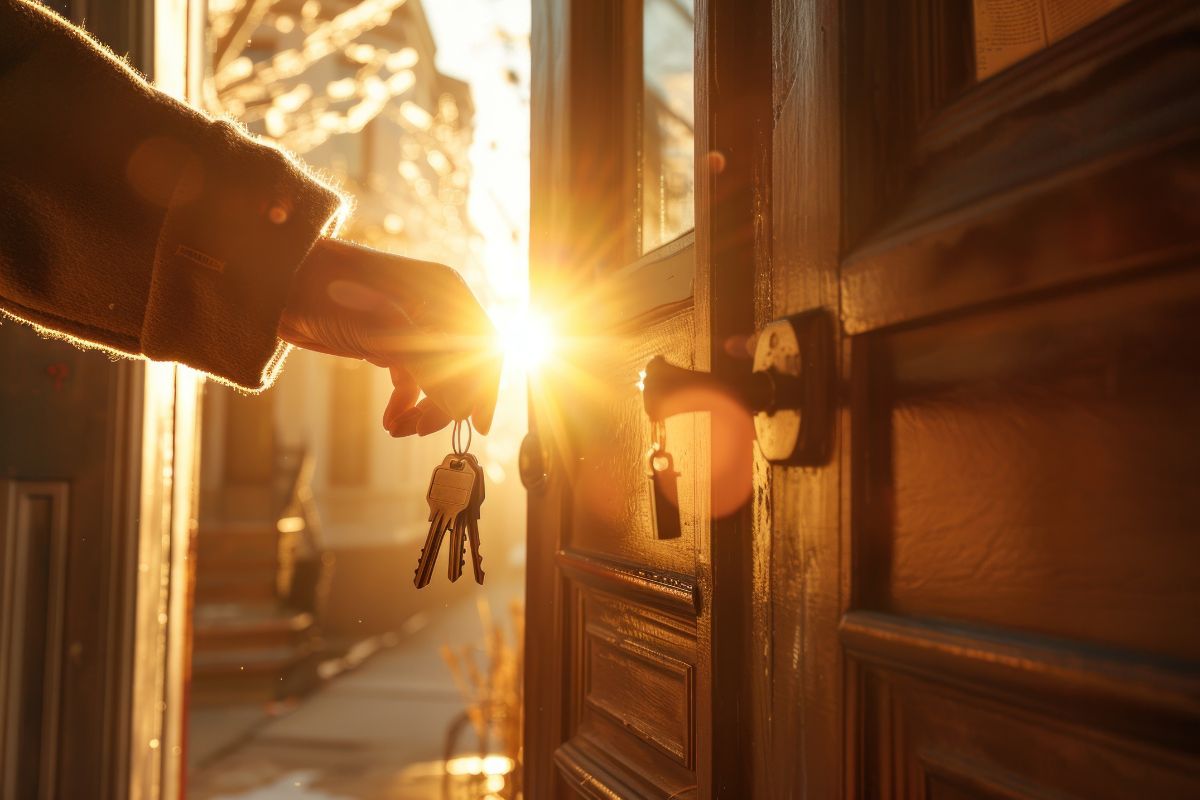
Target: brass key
pixel 458 536
pixel 450 492
pixel 472 517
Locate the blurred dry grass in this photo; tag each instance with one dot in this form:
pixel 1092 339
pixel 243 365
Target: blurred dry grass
pixel 491 679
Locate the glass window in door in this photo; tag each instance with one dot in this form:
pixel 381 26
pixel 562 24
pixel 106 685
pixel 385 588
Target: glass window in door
pixel 668 121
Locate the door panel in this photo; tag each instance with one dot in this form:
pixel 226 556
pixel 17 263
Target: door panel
pixel 633 717
pixel 1035 468
pixel 610 510
pixel 926 740
pixel 991 590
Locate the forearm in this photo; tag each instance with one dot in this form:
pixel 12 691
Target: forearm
pixel 131 221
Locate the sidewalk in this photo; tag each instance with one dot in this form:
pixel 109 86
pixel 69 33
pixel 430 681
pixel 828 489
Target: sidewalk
pixel 375 733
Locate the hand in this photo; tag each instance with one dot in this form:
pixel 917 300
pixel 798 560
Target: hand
pixel 417 319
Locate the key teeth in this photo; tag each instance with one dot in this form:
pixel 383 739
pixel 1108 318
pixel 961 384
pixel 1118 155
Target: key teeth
pixel 417 571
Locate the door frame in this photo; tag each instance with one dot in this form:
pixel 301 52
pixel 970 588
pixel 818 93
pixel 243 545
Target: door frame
pixel 152 457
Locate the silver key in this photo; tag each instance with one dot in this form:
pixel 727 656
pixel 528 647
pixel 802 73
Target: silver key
pixel 450 491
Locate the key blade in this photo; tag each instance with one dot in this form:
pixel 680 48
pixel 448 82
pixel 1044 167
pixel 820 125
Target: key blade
pixel 476 557
pixel 458 545
pixel 433 541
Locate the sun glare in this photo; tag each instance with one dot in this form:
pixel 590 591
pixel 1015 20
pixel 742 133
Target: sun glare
pixel 526 338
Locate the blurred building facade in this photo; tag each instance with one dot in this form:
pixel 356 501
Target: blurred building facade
pixel 353 89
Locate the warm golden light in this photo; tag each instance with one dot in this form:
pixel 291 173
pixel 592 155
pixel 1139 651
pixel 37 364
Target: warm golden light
pixel 492 765
pixel 525 336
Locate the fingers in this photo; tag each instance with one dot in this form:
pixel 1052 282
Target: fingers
pixel 432 418
pixel 421 420
pixel 405 424
pixel 398 418
pixel 396 310
pixel 485 404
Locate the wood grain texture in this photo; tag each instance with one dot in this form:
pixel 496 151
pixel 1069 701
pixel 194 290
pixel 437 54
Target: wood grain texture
pixel 734 72
pixel 1065 149
pixel 1040 470
pixel 798 664
pixel 584 225
pixel 1018 297
pixel 1139 699
pixel 632 688
pixel 607 470
pixel 669 592
pixel 648 693
pixel 991 589
pixel 924 739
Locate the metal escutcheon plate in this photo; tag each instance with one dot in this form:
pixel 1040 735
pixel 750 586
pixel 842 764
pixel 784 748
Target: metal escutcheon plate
pixel 533 463
pixel 799 430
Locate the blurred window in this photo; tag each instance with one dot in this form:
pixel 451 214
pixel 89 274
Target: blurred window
pixel 668 121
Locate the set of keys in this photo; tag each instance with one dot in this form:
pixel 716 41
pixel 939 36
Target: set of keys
pixel 456 493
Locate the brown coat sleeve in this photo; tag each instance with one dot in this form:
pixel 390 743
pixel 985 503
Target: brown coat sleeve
pixel 132 222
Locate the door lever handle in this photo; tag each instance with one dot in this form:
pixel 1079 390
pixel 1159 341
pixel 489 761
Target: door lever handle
pixel 789 389
pixel 668 390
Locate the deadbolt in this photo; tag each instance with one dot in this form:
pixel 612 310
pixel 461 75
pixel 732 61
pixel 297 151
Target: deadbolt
pixel 533 462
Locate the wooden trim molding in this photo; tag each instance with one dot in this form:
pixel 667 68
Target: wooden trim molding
pixel 583 774
pixel 932 201
pixel 980 779
pixel 967 259
pixel 664 278
pixel 1158 700
pixel 667 591
pixel 642 660
pixel 29 579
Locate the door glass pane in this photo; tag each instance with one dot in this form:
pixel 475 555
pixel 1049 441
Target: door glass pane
pixel 668 139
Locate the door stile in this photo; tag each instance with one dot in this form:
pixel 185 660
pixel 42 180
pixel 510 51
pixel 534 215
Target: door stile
pixel 805 516
pixel 733 157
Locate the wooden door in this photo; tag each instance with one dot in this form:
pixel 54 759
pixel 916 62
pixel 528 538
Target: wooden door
pixel 636 639
pixel 993 588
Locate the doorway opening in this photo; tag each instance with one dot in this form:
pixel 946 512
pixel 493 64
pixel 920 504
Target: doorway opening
pixel 317 669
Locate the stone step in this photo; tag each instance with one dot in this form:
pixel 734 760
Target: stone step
pixel 224 627
pixel 251 588
pixel 237 545
pixel 250 653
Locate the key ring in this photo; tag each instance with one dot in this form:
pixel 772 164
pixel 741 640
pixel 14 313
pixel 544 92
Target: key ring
pixel 658 436
pixel 456 437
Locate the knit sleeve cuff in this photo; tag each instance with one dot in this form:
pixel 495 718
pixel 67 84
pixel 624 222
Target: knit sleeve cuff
pixel 241 221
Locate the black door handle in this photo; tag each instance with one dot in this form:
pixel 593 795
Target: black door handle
pixel 789 389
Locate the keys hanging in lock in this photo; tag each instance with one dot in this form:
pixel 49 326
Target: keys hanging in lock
pixel 664 487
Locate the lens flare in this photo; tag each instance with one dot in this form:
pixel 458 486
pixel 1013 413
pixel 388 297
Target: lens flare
pixel 525 337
